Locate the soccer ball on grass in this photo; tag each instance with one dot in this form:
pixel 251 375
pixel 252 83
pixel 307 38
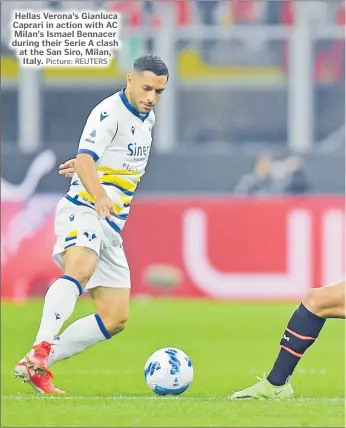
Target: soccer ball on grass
pixel 168 371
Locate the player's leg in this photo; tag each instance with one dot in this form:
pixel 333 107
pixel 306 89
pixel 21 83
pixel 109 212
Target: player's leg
pixel 112 308
pixel 111 303
pixel 327 301
pixel 58 307
pixel 77 255
pixel 79 265
pixel 301 332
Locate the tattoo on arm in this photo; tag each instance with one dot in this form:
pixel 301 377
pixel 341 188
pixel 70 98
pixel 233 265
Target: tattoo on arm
pixel 89 250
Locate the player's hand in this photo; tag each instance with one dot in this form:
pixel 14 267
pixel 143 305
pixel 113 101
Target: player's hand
pixel 104 207
pixel 67 169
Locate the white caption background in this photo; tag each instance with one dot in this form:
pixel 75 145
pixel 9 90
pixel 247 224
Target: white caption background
pixel 69 39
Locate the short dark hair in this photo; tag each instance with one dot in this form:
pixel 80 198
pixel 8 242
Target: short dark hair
pixel 151 63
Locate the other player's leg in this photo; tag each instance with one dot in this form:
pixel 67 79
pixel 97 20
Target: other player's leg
pixel 327 301
pixel 301 332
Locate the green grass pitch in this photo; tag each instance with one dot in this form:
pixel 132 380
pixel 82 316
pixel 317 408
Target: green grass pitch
pixel 228 343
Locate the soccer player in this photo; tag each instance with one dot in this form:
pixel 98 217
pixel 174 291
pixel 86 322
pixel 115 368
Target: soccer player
pixel 301 332
pixel 112 157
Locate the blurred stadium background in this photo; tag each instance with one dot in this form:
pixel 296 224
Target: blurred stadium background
pixel 244 193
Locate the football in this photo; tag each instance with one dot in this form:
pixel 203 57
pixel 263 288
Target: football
pixel 168 371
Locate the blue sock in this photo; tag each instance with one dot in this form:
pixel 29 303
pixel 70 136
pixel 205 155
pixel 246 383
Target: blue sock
pixel 301 332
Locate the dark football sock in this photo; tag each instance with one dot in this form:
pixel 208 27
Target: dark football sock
pixel 301 332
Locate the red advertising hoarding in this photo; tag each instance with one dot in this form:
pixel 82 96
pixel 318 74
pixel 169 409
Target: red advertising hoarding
pixel 220 248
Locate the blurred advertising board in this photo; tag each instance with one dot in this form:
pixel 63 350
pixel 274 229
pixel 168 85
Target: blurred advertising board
pixel 193 247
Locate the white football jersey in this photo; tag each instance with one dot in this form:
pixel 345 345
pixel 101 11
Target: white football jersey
pixel 119 140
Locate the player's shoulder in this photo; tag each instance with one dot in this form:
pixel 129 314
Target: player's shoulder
pixel 107 105
pixel 105 112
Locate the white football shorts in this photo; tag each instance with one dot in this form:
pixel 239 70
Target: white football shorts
pixel 78 225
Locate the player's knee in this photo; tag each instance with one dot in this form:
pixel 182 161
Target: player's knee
pixel 81 274
pixel 314 301
pixel 112 305
pixel 80 263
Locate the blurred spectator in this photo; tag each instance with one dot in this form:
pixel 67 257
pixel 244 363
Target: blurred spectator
pixel 207 11
pixel 296 178
pixel 72 5
pixel 54 4
pixel 260 181
pixel 274 11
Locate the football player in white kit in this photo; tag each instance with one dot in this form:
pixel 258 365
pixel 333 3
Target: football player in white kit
pixel 112 157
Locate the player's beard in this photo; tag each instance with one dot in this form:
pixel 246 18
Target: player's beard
pixel 139 108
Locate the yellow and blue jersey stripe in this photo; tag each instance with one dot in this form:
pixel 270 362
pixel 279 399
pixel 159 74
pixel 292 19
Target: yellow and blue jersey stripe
pixel 70 239
pixel 122 185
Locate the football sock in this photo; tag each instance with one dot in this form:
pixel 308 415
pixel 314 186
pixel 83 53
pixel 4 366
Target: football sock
pixel 79 336
pixel 301 332
pixel 58 306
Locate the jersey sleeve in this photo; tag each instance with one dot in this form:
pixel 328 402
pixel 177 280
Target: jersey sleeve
pixel 99 131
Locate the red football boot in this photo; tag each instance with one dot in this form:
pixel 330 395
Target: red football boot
pixel 40 382
pixel 37 357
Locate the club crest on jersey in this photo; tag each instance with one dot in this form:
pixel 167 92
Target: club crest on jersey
pixel 89 235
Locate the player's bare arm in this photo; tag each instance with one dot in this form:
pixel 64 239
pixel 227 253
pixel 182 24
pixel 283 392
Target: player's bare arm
pixel 86 170
pixel 85 167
